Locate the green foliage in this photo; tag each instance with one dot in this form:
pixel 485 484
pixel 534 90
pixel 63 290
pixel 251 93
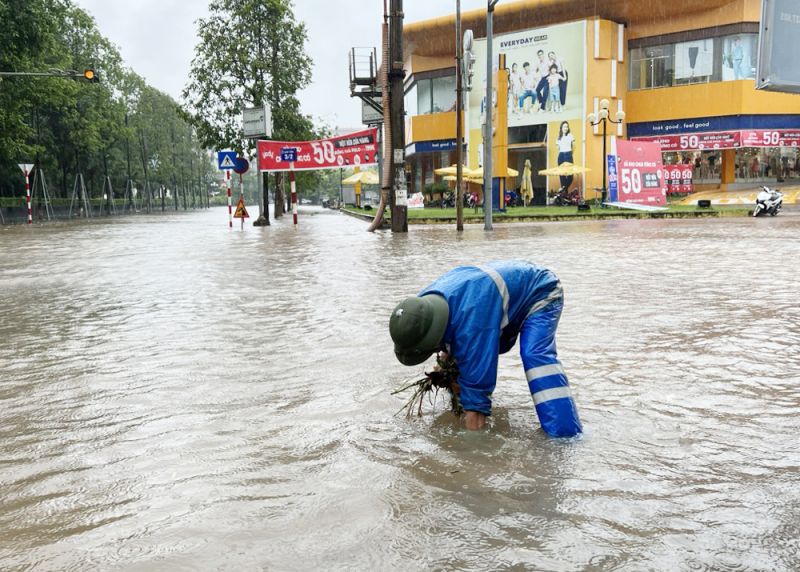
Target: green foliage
pixel 68 125
pixel 250 51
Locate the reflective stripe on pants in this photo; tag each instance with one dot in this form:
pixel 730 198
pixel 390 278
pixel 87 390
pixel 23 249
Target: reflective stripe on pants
pixel 546 378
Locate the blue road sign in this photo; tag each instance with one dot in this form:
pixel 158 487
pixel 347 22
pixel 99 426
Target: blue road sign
pixel 226 160
pixel 289 154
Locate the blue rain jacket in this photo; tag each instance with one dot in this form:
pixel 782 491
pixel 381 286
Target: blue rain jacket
pixel 485 322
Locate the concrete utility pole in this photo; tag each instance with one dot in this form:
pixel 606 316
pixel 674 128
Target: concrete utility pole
pixel 488 132
pixel 396 74
pixel 459 121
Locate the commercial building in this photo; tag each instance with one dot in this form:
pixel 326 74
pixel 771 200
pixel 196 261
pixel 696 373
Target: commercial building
pixel 683 72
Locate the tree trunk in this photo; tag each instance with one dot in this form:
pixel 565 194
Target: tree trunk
pixel 278 195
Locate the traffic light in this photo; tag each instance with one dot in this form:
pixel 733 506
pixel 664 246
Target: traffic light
pixel 90 75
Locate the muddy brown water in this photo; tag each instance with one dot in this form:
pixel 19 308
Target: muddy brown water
pixel 178 396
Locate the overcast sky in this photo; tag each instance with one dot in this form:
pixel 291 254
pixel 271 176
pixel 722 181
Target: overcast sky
pixel 157 39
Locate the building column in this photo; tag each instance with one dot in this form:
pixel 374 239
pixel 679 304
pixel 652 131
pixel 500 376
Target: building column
pixel 727 174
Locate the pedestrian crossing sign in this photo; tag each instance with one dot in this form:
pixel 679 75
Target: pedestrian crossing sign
pixel 241 210
pixel 226 160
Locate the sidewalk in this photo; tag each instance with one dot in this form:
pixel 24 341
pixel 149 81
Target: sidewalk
pixel 791 196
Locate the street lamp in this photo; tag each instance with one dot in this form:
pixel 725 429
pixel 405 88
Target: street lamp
pixel 603 117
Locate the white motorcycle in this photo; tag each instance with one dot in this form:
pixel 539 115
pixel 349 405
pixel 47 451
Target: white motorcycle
pixel 768 201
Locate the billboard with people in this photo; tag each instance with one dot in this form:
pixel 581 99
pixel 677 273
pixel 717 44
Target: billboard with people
pixel 545 70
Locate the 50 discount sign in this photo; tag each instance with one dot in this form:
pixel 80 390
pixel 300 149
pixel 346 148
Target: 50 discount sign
pixel 351 150
pixel 641 173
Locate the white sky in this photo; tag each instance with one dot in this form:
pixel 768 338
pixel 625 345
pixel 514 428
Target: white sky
pixel 157 39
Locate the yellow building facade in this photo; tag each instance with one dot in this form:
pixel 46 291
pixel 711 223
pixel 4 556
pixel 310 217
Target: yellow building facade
pixel 683 75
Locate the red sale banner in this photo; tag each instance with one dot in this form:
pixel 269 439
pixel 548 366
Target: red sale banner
pixel 678 179
pixel 351 150
pixel 698 141
pixel 770 138
pixel 641 173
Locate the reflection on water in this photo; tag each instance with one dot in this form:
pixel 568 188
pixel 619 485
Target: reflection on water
pixel 176 395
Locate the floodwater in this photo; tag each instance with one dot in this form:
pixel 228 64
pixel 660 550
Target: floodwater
pixel 175 395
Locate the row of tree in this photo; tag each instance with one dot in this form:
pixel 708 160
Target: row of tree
pixel 118 127
pixel 249 52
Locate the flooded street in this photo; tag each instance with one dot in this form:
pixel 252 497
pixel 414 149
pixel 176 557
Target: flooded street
pixel 178 396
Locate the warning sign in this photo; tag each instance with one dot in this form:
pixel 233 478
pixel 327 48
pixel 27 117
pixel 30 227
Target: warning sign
pixel 241 210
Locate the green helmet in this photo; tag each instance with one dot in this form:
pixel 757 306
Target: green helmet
pixel 417 326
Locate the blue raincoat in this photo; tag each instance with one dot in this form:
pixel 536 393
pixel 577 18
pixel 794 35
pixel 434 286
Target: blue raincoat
pixel 490 306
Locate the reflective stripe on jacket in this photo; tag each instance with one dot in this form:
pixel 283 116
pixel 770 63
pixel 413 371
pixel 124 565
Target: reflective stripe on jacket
pixel 488 305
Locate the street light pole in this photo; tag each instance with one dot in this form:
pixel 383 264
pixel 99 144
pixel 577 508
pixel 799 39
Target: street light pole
pixel 594 120
pixel 459 121
pixel 489 107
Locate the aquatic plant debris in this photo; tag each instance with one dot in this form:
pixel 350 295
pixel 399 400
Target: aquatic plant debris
pixel 443 376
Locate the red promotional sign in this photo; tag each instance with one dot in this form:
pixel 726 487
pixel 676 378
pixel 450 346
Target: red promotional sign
pixel 679 178
pixel 697 141
pixel 641 173
pixel 770 138
pixel 354 149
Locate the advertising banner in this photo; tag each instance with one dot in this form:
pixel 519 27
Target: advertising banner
pixel 679 179
pixel 545 75
pixel 640 173
pixel 545 80
pixel 727 139
pixel 697 141
pixel 770 138
pixel 354 149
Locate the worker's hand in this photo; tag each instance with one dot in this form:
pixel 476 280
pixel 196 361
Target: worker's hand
pixel 474 420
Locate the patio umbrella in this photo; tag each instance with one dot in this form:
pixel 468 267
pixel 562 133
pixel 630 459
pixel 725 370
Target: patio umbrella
pixel 565 169
pixel 364 177
pixel 526 188
pixel 451 170
pixel 478 173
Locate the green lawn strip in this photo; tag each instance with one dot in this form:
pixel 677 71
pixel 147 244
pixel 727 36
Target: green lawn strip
pixel 554 212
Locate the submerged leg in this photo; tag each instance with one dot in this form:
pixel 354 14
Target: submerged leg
pixel 546 378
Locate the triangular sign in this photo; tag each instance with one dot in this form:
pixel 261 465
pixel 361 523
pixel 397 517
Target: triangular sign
pixel 241 210
pixel 227 162
pixel 26 168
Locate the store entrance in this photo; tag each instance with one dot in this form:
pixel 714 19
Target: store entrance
pixel 538 159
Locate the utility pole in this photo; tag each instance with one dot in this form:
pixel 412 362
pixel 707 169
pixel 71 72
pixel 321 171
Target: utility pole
pixel 459 122
pixel 396 74
pixel 488 131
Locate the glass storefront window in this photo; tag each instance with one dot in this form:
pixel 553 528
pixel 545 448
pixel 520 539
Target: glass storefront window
pixel 767 164
pixel 424 97
pixel 652 67
pixel 432 96
pixel 739 56
pixel 444 94
pixel 724 58
pixel 411 101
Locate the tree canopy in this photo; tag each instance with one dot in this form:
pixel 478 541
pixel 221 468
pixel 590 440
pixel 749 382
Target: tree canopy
pixel 249 52
pixel 69 125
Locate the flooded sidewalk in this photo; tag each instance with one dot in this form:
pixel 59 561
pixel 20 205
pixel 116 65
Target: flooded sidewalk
pixel 177 395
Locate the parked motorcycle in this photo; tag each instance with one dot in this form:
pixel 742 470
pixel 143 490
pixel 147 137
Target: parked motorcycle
pixel 768 201
pixel 564 198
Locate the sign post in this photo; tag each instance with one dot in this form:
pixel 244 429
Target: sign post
pixel 226 161
pixel 26 169
pixel 242 165
pixel 289 154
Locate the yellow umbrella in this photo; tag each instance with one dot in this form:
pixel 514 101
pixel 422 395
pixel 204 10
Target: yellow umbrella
pixel 526 187
pixel 451 170
pixel 450 178
pixel 364 177
pixel 478 173
pixel 565 169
